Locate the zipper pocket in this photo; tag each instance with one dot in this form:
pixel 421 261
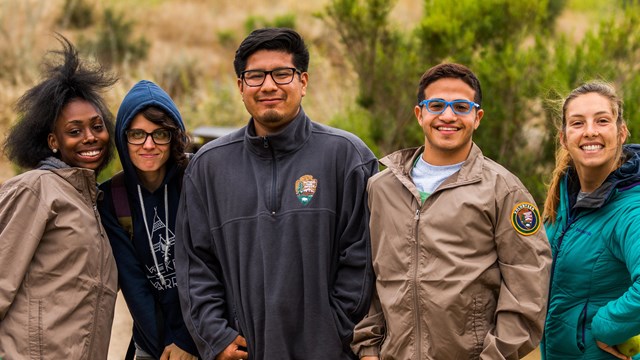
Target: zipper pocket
pixel 582 328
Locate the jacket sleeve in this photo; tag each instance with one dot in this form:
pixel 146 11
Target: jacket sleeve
pixel 353 278
pixel 618 321
pixel 370 331
pixel 525 264
pixel 132 279
pixel 23 220
pixel 200 281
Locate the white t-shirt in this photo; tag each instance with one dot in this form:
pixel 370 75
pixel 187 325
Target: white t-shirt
pixel 428 177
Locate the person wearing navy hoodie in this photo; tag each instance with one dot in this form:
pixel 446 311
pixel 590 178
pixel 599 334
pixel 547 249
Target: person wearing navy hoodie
pixel 151 141
pixel 273 260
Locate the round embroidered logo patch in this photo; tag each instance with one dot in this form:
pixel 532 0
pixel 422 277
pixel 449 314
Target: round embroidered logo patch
pixel 525 218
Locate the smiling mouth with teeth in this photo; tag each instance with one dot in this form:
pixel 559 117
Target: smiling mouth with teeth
pixel 90 153
pixel 591 147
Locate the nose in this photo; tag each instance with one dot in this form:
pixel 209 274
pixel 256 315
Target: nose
pixel 448 113
pixel 590 129
pixel 90 137
pixel 269 83
pixel 148 142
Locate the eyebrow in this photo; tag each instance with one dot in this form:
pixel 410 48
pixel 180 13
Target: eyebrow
pixel 78 121
pixel 275 68
pixel 580 115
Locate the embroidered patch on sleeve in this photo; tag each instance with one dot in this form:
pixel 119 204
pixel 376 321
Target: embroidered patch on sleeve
pixel 305 187
pixel 525 218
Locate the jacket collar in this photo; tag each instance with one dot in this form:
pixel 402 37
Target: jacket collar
pixel 401 162
pixel 290 139
pixel 83 180
pixel 626 176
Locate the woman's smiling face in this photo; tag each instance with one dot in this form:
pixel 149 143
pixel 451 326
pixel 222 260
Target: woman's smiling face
pixel 591 134
pixel 80 135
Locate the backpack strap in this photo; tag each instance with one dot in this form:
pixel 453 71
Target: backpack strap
pixel 121 202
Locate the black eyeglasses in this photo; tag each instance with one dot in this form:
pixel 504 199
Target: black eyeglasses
pixel 280 76
pixel 139 136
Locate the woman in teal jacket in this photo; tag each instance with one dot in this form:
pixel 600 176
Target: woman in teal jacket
pixel 592 218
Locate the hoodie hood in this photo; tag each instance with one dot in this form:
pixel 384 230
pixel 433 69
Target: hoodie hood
pixel 628 174
pixel 52 163
pixel 142 95
pixel 624 177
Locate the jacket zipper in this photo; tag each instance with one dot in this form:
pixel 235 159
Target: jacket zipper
pixel 570 220
pixel 583 324
pixel 96 213
pixel 274 176
pixel 416 303
pixel 100 282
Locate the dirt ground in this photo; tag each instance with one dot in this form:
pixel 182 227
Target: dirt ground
pixel 121 333
pixel 535 355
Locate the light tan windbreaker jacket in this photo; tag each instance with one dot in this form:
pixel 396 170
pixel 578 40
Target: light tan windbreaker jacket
pixel 58 279
pixel 455 278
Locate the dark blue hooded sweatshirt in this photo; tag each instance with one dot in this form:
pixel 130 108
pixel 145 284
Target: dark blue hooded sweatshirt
pixel 148 282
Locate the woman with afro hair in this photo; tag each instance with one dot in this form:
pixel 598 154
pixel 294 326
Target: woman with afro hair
pixel 59 279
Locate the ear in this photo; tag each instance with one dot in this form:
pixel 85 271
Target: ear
pixel 624 132
pixel 304 79
pixel 240 84
pixel 417 110
pixel 52 141
pixel 562 139
pixel 479 115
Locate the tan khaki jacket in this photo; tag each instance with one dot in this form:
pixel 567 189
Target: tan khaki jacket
pixel 455 279
pixel 58 278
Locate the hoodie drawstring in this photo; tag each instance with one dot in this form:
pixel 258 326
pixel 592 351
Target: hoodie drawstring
pixel 166 229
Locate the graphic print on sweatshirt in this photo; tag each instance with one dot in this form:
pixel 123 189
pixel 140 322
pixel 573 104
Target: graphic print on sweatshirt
pixel 163 248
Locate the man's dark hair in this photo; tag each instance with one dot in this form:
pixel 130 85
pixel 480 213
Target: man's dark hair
pixel 275 39
pixel 450 71
pixel 39 108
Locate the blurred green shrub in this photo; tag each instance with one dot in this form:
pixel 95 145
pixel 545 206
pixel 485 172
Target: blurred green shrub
pixel 179 78
pixel 227 38
pixel 76 14
pixel 253 22
pixel 113 43
pixel 523 65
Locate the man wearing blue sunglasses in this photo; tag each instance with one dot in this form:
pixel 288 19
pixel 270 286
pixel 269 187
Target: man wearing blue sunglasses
pixel 462 262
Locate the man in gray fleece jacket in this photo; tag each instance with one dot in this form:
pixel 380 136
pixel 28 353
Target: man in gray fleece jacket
pixel 274 259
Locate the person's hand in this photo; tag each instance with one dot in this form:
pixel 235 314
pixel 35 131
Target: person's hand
pixel 173 352
pixel 370 357
pixel 612 350
pixel 235 350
